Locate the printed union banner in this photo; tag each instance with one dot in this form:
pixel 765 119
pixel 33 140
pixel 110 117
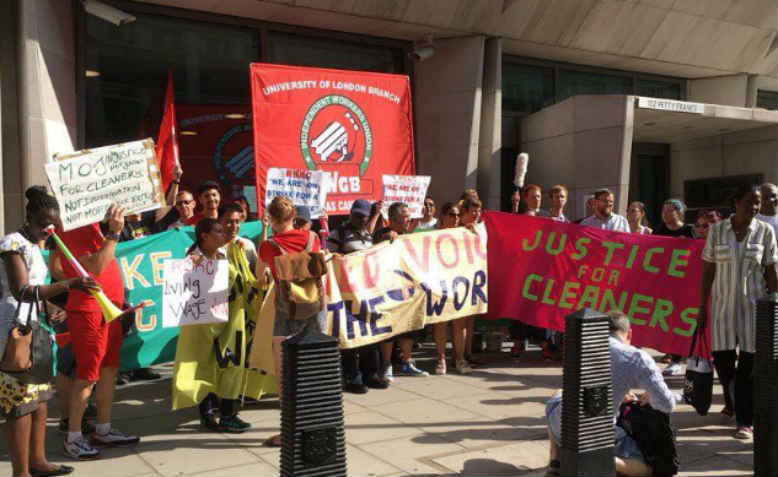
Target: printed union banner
pixel 541 270
pixel 355 126
pixel 404 285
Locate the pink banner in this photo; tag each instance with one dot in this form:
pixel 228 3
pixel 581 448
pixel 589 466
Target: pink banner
pixel 541 270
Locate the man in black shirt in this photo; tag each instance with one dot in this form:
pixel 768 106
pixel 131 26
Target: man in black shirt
pixel 360 365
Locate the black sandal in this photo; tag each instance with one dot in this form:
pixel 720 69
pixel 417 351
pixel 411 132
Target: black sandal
pixel 61 470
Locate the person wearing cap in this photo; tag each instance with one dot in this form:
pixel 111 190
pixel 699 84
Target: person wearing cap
pixel 360 365
pixel 302 218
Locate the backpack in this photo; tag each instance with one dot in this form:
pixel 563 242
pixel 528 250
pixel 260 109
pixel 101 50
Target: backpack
pixel 299 276
pixel 652 433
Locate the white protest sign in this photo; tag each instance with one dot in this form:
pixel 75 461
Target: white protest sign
pixel 408 189
pixel 87 182
pixel 194 294
pixel 304 187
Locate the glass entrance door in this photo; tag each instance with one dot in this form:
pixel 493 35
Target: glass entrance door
pixel 649 178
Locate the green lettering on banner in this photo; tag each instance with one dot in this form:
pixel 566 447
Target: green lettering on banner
pixel 581 250
pixel 612 247
pixel 688 316
pixel 550 241
pixel 568 291
pixel 662 310
pixel 634 307
pixel 647 260
pixel 676 260
pixel 527 247
pixel 528 283
pixel 589 298
pixel 546 300
pixel 608 302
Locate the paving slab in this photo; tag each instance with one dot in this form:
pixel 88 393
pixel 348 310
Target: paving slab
pixel 513 459
pixel 487 423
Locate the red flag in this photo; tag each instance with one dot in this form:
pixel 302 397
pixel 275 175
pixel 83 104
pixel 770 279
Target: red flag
pixel 167 142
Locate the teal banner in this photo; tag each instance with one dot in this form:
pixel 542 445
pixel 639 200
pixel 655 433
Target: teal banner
pixel 140 261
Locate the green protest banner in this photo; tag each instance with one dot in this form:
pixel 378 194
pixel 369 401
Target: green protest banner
pixel 140 261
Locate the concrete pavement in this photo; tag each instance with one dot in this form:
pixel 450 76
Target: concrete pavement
pixel 489 423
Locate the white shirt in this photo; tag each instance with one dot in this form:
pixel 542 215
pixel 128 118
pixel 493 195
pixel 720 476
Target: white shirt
pixel 547 213
pixel 424 226
pixel 739 282
pixel 615 222
pixel 770 219
pixel 36 273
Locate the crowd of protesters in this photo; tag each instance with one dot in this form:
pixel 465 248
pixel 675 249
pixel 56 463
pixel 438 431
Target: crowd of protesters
pixel 740 249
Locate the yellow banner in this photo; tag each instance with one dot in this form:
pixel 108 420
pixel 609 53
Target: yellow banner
pixel 404 285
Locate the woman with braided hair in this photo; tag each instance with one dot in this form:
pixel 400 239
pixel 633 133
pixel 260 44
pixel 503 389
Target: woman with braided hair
pixel 22 278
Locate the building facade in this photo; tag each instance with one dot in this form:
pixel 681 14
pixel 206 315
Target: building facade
pixel 652 98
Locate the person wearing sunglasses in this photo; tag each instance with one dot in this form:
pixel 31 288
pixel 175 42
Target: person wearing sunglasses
pixel 428 220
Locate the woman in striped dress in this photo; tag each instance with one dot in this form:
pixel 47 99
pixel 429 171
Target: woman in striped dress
pixel 739 266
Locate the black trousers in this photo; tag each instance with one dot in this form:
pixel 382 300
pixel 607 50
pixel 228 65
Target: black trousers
pixel 359 364
pixel 743 374
pixel 227 407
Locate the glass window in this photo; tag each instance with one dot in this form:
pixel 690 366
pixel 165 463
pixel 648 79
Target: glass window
pixel 127 67
pixel 659 88
pixel 767 99
pixel 573 82
pixel 526 88
pixel 291 49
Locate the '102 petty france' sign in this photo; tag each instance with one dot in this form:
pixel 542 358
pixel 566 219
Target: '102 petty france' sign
pixel 87 182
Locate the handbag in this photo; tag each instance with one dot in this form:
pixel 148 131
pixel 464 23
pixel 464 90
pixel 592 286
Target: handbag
pixel 698 386
pixel 651 431
pixel 28 353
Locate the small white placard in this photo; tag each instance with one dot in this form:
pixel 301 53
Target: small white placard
pixel 195 293
pixel 411 190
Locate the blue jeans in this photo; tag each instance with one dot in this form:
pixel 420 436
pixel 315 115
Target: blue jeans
pixel 624 447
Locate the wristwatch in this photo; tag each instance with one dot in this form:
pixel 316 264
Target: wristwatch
pixel 111 236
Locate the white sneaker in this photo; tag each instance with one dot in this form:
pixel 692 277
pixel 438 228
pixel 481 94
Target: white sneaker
pixel 463 367
pixel 80 449
pixel 673 369
pixel 440 369
pixel 387 374
pixel 114 438
pixel 410 369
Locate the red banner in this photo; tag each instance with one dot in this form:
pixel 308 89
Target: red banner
pixel 356 126
pixel 216 144
pixel 541 270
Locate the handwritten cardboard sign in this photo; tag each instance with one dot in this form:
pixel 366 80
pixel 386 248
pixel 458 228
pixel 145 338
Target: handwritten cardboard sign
pixel 408 189
pixel 305 188
pixel 87 182
pixel 195 294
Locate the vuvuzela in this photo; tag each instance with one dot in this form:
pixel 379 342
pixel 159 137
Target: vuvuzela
pixel 110 311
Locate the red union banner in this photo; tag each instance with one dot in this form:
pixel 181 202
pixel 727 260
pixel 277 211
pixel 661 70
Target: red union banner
pixel 541 270
pixel 355 126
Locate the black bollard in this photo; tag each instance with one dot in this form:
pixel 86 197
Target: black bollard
pixel 587 396
pixel 766 387
pixel 313 442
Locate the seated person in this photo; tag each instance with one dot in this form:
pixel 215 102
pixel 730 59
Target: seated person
pixel 630 368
